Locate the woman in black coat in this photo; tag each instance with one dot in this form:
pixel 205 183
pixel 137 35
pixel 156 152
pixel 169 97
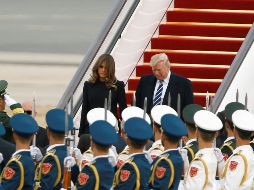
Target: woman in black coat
pixel 97 88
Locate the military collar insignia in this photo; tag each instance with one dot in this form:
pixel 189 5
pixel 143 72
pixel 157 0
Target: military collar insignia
pixel 17 156
pixel 52 151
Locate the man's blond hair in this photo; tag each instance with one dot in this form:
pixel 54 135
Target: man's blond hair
pixel 159 57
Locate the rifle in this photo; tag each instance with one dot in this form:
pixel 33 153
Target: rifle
pixel 207 101
pixel 145 108
pixel 33 115
pixel 246 102
pixel 67 170
pixel 179 113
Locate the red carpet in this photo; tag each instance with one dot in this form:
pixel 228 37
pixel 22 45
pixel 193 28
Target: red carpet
pixel 201 39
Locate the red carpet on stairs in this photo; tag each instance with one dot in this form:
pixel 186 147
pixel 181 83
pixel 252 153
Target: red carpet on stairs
pixel 201 39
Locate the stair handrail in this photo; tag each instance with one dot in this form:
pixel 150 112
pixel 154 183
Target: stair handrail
pixel 94 49
pixel 230 75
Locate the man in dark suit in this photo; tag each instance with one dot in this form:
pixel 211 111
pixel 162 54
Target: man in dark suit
pixel 157 86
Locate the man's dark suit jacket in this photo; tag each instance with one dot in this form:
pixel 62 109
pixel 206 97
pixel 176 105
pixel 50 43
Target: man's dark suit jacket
pixel 177 84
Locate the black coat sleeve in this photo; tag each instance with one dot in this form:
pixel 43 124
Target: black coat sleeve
pixel 85 108
pixel 188 93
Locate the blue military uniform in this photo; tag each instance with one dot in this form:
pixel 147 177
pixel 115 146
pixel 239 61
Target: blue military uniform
pixel 99 173
pixel 135 172
pixel 19 171
pixel 49 173
pixel 167 168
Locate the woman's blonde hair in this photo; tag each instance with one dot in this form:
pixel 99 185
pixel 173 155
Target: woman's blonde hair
pixel 110 80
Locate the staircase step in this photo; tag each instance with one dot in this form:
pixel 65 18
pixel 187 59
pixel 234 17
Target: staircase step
pixel 187 71
pixel 215 4
pixel 199 85
pixel 194 57
pixel 196 43
pixel 204 29
pixel 210 16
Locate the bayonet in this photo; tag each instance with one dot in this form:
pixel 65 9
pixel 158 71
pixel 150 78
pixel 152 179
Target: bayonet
pixel 105 109
pixel 179 105
pixel 246 102
pixel 133 100
pixel 237 96
pixel 169 99
pixel 109 100
pixel 145 108
pixel 179 113
pixel 207 101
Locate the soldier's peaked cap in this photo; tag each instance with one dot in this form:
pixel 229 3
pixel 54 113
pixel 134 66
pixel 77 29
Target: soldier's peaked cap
pixel 231 108
pixel 56 120
pixel 160 110
pixel 138 129
pixel 23 124
pixel 207 121
pixel 243 120
pixel 3 86
pixel 189 112
pixel 173 126
pixel 102 132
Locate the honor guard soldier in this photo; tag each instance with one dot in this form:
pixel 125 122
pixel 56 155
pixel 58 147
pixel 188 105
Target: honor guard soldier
pixel 203 168
pixel 167 167
pixel 18 174
pixel 157 112
pixel 14 106
pixel 191 143
pixel 230 143
pixel 128 113
pixel 239 169
pixel 95 115
pixel 49 173
pixel 99 173
pixel 135 172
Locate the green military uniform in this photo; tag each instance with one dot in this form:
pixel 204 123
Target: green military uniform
pixel 228 147
pixel 192 148
pixel 4 118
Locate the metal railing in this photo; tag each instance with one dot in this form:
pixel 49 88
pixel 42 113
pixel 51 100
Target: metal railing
pixel 93 51
pixel 236 64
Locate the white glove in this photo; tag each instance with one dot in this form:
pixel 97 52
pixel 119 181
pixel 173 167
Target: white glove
pixel 69 161
pixel 184 155
pixel 76 153
pixel 36 153
pixel 1 158
pixel 218 155
pixel 8 100
pixel 220 160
